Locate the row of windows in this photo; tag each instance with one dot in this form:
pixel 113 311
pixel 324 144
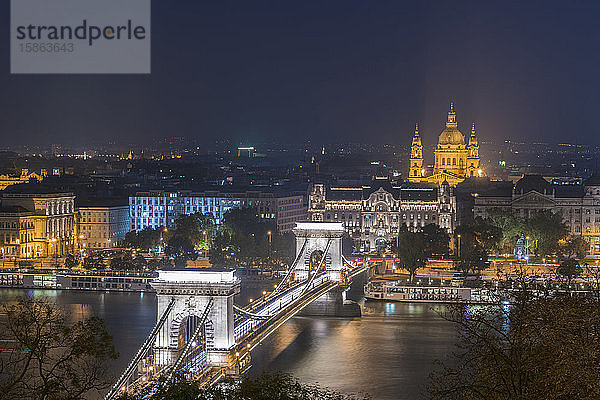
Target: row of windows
pixel 394 217
pixel 59 207
pixel 15 225
pixel 446 161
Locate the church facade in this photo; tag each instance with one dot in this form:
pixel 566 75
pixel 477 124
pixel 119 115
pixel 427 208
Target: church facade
pixel 455 159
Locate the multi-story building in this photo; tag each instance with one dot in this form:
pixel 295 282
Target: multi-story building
pixel 579 205
pixel 161 208
pixel 17 227
pixel 37 224
pixel 25 177
pixel 455 159
pixel 374 214
pixel 102 226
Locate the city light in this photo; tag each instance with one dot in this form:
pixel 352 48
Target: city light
pixel 392 201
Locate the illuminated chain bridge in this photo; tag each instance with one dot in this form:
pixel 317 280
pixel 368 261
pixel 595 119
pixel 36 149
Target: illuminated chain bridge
pixel 202 335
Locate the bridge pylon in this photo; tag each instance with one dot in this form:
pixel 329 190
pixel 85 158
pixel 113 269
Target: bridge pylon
pixel 315 240
pixel 192 291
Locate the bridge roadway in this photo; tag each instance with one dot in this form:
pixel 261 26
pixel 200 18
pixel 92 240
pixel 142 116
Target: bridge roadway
pixel 253 324
pixel 276 309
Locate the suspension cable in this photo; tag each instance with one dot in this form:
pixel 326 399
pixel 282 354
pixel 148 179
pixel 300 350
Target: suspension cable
pixel 189 344
pixel 292 268
pixel 141 351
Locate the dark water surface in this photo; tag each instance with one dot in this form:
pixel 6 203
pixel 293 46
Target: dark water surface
pixel 388 353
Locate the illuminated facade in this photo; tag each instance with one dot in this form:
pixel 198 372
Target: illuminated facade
pixel 578 205
pixel 102 227
pixel 25 177
pixel 455 159
pixel 159 208
pixel 37 225
pixel 373 215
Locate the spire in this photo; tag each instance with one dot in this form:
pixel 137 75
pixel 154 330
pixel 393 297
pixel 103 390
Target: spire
pixel 473 138
pixel 416 138
pixel 451 117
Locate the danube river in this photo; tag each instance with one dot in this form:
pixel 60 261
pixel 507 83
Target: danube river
pixel 388 353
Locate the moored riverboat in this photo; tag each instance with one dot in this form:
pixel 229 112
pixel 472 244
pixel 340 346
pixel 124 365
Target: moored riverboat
pixel 398 291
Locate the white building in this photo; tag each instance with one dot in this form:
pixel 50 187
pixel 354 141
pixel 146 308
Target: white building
pixel 374 214
pixel 159 208
pixel 579 205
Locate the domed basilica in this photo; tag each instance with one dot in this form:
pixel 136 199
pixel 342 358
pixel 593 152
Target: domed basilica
pixel 455 160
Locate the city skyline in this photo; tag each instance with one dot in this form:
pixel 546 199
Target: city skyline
pixel 338 71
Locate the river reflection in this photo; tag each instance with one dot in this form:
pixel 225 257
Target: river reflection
pixel 387 353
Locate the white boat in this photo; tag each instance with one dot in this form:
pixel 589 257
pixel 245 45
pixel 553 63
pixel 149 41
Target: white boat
pixel 396 291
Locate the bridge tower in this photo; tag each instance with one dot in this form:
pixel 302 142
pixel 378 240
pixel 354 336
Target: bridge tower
pixel 315 240
pixel 192 290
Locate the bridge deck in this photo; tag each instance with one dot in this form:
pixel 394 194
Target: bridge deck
pixel 252 325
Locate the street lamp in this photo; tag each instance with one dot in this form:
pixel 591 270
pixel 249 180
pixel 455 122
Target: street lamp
pixel 458 245
pixel 269 234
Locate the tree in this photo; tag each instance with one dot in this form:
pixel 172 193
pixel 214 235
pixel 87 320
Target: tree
pixel 145 239
pixel 474 242
pixel 411 251
pixel 122 261
pixel 473 258
pixel 50 357
pixel 436 239
pixel 536 348
pixel 131 240
pixel 181 249
pixel 545 230
pixel 569 269
pixel 283 249
pixel 70 261
pixel 575 247
pixel 197 228
pixel 93 261
pixel 511 226
pixel 162 263
pixel 244 239
pixel 265 387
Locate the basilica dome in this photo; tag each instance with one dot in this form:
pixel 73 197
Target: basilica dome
pixel 451 135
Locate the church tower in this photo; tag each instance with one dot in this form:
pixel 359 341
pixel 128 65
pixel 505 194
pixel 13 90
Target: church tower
pixel 473 155
pixel 416 158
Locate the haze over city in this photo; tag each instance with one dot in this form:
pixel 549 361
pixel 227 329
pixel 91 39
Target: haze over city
pixel 332 200
pixel 329 72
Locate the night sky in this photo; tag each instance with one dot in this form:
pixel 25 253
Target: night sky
pixel 329 71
